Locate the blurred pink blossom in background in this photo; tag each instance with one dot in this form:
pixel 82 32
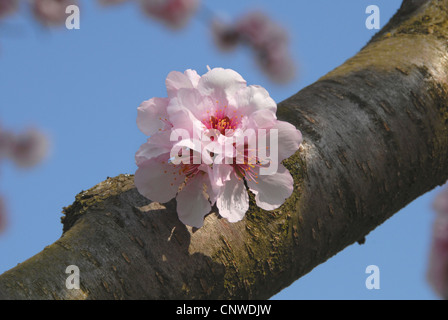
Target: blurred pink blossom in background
pixel 51 12
pixel 29 148
pixel 225 35
pixel 269 41
pixel 438 261
pixel 7 7
pixel 25 149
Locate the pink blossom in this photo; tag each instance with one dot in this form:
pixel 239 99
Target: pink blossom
pixel 174 13
pixel 51 12
pixel 268 40
pixel 8 7
pixel 222 108
pixel 438 260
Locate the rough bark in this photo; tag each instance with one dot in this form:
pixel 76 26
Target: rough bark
pixel 375 138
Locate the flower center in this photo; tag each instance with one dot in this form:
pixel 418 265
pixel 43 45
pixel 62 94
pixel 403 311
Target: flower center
pixel 220 124
pixel 221 120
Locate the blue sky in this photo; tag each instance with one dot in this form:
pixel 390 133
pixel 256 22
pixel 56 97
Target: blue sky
pixel 83 87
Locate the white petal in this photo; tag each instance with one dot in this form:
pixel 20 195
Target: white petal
pixel 193 76
pixel 211 188
pixel 158 180
pixel 221 173
pixel 175 81
pixel 194 101
pixel 233 202
pixel 272 191
pixel 151 115
pixel 221 84
pixel 254 98
pixel 262 119
pixel 192 205
pixel 186 109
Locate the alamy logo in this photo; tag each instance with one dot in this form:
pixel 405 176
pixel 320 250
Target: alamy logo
pixel 373 280
pixel 373 20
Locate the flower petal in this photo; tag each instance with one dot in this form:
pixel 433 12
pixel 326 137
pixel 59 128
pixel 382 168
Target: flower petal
pixel 29 148
pixel 186 109
pixel 272 190
pixel 220 174
pixel 212 190
pixel 193 76
pixel 192 204
pixel 8 7
pixel 155 146
pixel 262 119
pixel 253 98
pixel 151 115
pixel 289 139
pixel 51 12
pixel 177 80
pixel 233 202
pixel 158 180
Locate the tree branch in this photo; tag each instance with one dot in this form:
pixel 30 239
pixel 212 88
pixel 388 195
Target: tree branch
pixel 375 138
